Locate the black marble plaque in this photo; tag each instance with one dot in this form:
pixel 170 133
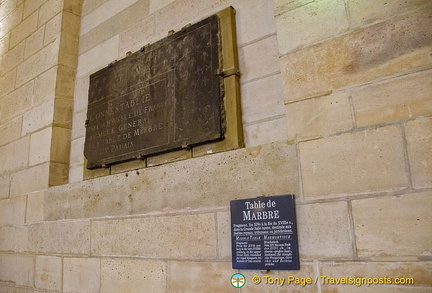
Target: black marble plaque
pixel 164 97
pixel 264 233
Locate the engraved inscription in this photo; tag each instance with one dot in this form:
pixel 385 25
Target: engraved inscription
pixel 158 99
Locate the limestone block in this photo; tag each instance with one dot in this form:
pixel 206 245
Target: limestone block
pixel 98 57
pixel 81 275
pixel 77 152
pixel 60 145
pixel 361 56
pixel 7 7
pixel 16 102
pixel 103 13
pixel 78 124
pixel 58 174
pixel 60 237
pixel 17 268
pixel 306 271
pixel 166 232
pixel 10 130
pixel 266 131
pixel 139 35
pixel 254 20
pixel 82 85
pixel 352 163
pixel 76 173
pixel 324 230
pixel 269 169
pixel 40 146
pixel 53 29
pixel 14 156
pixel 419 140
pixel 35 207
pixel 420 271
pixel 89 6
pixel 193 277
pixel 158 4
pixel 32 6
pixel 4 44
pixel 393 100
pixel 12 211
pixel 38 63
pixel 28 180
pixel 262 99
pixel 45 86
pixel 11 20
pixel 403 222
pixel 310 24
pixel 14 238
pixel 167 158
pixel 7 82
pixel 113 26
pixel 4 186
pixel 128 166
pixel 133 275
pixel 282 6
pixel 65 82
pixel 38 118
pixel 224 235
pixel 24 29
pixel 363 14
pixel 254 63
pixel 73 6
pixel 12 58
pixel 49 9
pixel 48 274
pixel 34 43
pixel 63 112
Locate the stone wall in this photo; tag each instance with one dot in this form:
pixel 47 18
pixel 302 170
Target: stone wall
pixel 337 109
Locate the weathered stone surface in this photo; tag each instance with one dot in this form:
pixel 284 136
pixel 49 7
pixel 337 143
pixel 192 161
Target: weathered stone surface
pixel 420 271
pixel 396 46
pixel 224 235
pixel 24 29
pixel 160 234
pixel 400 220
pixel 310 23
pixel 4 186
pixel 28 180
pixel 133 275
pixel 262 99
pixel 35 207
pixel 14 156
pixel 419 140
pixel 12 58
pixel 393 100
pixel 16 102
pixel 12 211
pixel 10 130
pixel 17 268
pixel 13 238
pixel 352 163
pixel 81 275
pixel 193 277
pixel 306 271
pixel 78 124
pixel 324 230
pixel 7 82
pixel 34 43
pixel 265 132
pixel 40 146
pixel 267 169
pixel 139 35
pixel 77 152
pixel 157 4
pixel 48 274
pixel 60 237
pixel 319 117
pixel 89 6
pixel 254 64
pixel 45 85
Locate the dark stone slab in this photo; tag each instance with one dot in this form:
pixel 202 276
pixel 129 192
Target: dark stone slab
pixel 164 97
pixel 264 233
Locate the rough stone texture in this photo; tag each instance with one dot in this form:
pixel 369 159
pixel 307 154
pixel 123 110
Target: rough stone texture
pixel 310 23
pixel 269 169
pixel 28 180
pixel 4 186
pixel 262 99
pixel 319 117
pixel 10 130
pixel 13 239
pixel 12 58
pixel 359 162
pixel 139 35
pixel 78 125
pixel 35 207
pixel 361 13
pixel 165 233
pixel 264 132
pixel 14 156
pixel 224 235
pixel 324 230
pixel 421 272
pixel 400 219
pixel 393 100
pixel 60 237
pixel 40 146
pixel 17 268
pixel 396 46
pixel 48 273
pixel 45 85
pixel 306 271
pixel 77 152
pixel 34 43
pixel 419 140
pixel 254 64
pixel 12 211
pixel 133 275
pixel 7 82
pixel 193 277
pixel 38 117
pixel 16 102
pixel 81 275
pixel 24 29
